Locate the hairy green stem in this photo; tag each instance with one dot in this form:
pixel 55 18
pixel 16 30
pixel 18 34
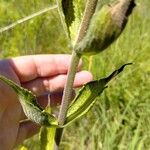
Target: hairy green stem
pixel 66 96
pixel 68 88
pixel 89 11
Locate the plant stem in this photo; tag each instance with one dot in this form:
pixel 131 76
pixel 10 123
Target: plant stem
pixel 68 88
pixel 89 11
pixel 66 96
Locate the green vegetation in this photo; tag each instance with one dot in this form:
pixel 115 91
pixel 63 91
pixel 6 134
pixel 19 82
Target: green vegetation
pixel 122 113
pixel 42 34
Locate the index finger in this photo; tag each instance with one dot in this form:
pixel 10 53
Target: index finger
pixel 30 67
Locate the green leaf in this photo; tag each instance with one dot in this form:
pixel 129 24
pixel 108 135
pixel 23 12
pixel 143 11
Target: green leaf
pixel 87 96
pixel 47 135
pixel 22 148
pixel 30 107
pixel 71 12
pixel 105 27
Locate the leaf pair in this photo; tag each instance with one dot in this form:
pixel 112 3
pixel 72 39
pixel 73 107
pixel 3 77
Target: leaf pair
pixel 80 105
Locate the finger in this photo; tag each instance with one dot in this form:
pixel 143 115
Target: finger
pixel 30 67
pixel 26 130
pixel 41 85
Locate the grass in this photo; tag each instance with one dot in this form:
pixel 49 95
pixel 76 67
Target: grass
pixel 121 117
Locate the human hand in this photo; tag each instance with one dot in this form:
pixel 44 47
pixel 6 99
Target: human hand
pixel 40 74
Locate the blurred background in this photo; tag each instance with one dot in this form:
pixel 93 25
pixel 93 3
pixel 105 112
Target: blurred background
pixel 120 120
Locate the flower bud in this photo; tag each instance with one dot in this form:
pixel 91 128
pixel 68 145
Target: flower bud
pixel 105 27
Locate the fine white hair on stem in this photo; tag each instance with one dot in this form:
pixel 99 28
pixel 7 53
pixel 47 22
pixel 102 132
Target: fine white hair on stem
pixel 22 20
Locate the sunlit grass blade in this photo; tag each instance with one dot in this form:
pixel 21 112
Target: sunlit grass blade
pixel 22 20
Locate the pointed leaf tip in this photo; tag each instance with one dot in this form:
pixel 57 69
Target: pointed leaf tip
pixel 116 72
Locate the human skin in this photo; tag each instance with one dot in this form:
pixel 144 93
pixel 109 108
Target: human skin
pixel 40 74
